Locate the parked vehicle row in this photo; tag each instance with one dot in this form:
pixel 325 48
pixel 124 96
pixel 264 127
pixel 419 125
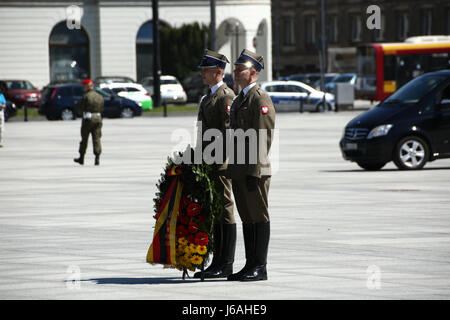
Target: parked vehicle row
pixel 61 102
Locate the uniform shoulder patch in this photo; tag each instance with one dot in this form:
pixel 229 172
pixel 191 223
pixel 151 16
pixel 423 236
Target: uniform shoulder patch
pixel 264 109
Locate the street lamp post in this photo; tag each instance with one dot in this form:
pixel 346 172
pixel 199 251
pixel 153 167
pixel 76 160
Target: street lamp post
pixel 322 52
pixel 156 56
pixel 212 26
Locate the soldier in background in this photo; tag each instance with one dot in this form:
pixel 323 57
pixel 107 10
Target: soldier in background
pixel 214 114
pixel 252 111
pixel 90 108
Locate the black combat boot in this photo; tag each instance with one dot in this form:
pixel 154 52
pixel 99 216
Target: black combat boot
pixel 97 159
pixel 258 271
pixel 223 256
pixel 80 159
pixel 249 244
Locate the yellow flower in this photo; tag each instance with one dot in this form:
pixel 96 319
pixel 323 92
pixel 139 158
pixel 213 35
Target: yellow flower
pixel 201 250
pixel 183 241
pixel 196 260
pixel 188 250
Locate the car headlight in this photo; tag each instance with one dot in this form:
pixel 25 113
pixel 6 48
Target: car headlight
pixel 379 131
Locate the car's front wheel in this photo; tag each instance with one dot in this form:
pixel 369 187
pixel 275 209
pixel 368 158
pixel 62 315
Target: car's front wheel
pixel 371 166
pixel 411 153
pixel 127 113
pixel 67 114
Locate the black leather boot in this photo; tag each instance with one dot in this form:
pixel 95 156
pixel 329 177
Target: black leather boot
pixel 80 159
pixel 258 271
pixel 249 244
pixel 223 258
pixel 97 160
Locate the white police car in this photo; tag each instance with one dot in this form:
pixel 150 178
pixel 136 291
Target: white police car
pixel 297 96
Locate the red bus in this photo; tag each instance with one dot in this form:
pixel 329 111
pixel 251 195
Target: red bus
pixel 385 67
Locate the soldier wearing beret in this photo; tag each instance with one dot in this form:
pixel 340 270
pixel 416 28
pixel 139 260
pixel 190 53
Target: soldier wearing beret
pixel 90 107
pixel 253 112
pixel 214 114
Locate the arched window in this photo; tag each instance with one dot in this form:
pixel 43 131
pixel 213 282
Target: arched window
pixel 69 53
pixel 144 51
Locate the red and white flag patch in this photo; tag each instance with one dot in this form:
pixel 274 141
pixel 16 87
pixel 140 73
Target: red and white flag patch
pixel 228 108
pixel 264 109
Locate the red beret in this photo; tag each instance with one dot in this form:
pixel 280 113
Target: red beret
pixel 86 81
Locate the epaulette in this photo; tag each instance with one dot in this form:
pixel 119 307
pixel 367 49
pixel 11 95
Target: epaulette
pixel 258 90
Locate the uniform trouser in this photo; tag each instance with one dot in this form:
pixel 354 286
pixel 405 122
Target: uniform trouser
pixel 94 127
pixel 2 123
pixel 252 205
pixel 225 188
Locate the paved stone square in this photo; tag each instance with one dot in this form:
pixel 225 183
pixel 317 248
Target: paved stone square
pixel 338 232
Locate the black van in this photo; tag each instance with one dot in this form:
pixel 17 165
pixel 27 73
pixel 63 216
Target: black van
pixel 410 127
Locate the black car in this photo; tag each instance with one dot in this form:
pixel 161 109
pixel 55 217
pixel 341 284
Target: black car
pixel 61 102
pixel 410 127
pixel 10 110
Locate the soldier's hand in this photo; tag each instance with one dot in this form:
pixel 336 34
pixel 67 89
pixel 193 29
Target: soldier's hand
pixel 252 183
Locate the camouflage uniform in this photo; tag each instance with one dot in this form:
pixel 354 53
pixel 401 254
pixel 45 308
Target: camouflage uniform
pixel 90 108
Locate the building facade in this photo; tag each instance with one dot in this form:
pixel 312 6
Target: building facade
pixel 43 41
pixel 347 21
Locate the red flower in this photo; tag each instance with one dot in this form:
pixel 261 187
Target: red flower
pixel 190 238
pixel 201 218
pixel 181 232
pixel 193 227
pixel 193 209
pixel 184 220
pixel 201 239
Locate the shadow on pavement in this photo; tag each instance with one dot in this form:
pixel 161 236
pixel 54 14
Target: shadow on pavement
pixel 386 170
pixel 173 280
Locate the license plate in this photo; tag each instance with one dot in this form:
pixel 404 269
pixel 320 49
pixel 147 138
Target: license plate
pixel 32 99
pixel 350 146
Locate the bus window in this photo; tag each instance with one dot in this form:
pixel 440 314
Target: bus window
pixel 439 61
pixel 389 68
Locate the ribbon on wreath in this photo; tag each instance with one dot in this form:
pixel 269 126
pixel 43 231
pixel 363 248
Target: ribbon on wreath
pixel 163 247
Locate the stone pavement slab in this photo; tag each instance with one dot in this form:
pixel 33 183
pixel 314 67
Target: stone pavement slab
pixel 338 232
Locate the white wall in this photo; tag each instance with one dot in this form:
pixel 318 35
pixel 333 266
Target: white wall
pixel 112 30
pixel 24 34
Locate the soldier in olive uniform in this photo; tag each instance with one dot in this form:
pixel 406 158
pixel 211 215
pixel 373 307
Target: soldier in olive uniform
pixel 90 107
pixel 253 112
pixel 214 114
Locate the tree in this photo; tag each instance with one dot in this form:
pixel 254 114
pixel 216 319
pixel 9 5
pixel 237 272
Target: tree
pixel 182 48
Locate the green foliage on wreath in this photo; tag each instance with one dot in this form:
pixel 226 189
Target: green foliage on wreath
pixel 199 185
